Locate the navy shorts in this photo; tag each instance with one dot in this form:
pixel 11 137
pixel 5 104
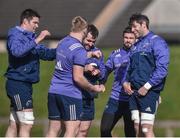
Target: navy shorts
pixel 145 104
pixel 65 108
pixel 117 107
pixel 88 110
pixel 20 94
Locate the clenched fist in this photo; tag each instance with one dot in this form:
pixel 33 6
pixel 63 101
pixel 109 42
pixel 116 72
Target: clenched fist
pixel 42 35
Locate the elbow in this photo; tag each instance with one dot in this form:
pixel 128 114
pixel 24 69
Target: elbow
pixel 17 53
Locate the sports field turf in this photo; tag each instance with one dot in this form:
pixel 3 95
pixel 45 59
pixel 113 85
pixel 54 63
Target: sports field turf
pixel 168 110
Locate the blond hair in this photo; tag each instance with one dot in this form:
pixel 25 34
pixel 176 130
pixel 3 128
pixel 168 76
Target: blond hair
pixel 78 24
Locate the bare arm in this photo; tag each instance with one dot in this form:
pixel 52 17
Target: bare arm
pixel 78 75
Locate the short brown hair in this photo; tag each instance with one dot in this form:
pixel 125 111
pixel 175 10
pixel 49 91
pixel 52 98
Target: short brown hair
pixel 139 18
pixel 92 29
pixel 78 24
pixel 128 30
pixel 28 14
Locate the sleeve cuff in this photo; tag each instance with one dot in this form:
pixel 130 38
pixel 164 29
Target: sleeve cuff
pixel 147 85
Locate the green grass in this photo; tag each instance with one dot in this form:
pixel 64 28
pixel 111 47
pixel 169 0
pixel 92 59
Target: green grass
pixel 168 110
pixel 2 130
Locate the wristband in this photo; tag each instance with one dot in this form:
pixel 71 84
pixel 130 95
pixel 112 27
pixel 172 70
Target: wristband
pixel 147 85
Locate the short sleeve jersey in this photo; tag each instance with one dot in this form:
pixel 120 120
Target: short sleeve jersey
pixel 69 52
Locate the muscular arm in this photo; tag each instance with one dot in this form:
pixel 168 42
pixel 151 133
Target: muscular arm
pixel 78 76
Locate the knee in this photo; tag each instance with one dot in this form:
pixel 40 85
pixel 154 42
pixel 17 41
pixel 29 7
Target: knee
pixel 26 126
pixel 83 129
pixel 55 126
pixel 83 132
pixel 13 121
pixel 147 130
pixel 147 121
pixel 13 125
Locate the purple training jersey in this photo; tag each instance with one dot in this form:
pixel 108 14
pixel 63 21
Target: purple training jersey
pixel 69 52
pixel 118 62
